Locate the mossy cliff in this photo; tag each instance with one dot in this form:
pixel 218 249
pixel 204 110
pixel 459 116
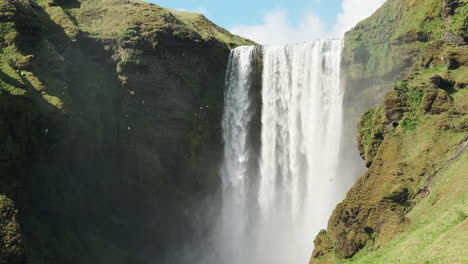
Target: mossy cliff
pixel 411 205
pixel 384 48
pixel 109 129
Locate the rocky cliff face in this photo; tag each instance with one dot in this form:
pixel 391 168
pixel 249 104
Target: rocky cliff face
pixel 411 204
pixel 385 47
pixel 109 129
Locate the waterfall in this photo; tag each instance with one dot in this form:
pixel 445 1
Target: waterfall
pixel 236 120
pixel 271 214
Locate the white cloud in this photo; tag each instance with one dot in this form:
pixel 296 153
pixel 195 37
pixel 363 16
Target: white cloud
pixel 276 29
pixel 353 12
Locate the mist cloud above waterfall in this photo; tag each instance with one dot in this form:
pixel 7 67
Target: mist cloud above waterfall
pixel 277 29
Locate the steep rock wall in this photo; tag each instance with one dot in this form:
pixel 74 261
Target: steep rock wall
pixel 110 125
pixel 412 55
pixel 384 48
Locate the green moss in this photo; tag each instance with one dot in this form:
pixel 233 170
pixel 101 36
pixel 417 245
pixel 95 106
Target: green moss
pixel 387 43
pixel 138 21
pixel 324 245
pixel 458 21
pixel 371 131
pixel 405 162
pixel 11 239
pixel 11 81
pixel 413 100
pixel 7 10
pixel 6 28
pixel 424 18
pixel 438 224
pixel 130 33
pixel 386 203
pixel 207 30
pixel 412 140
pixel 54 101
pixel 65 21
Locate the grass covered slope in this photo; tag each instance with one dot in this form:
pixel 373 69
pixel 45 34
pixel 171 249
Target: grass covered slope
pixel 142 21
pixel 411 204
pixel 134 21
pixel 382 49
pixel 438 226
pixel 386 45
pixel 404 206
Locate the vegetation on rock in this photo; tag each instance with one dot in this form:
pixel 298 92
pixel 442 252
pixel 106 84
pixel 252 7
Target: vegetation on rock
pixel 385 48
pixel 377 218
pixel 415 144
pixel 109 111
pixel 11 243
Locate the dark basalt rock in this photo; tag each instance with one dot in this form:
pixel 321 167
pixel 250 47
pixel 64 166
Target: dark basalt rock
pixel 450 6
pixel 436 102
pixel 399 197
pixel 54 2
pixel 109 121
pixel 413 36
pixel 452 64
pixel 437 81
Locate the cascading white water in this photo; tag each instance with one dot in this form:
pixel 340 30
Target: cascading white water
pixel 237 116
pixel 301 131
pixel 236 120
pixel 301 127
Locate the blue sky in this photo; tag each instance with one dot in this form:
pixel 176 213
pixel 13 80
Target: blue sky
pixel 252 11
pixel 281 21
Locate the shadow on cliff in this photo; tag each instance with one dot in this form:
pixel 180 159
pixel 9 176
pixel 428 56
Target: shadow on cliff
pixel 72 191
pixel 99 186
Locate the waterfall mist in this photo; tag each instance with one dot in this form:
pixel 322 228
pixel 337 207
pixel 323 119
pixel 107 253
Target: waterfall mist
pixel 278 194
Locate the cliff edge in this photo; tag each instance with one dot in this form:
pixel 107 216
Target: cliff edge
pixel 411 205
pixel 109 120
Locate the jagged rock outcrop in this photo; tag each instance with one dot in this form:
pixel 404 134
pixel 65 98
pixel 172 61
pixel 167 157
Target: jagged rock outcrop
pixel 109 120
pixel 451 6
